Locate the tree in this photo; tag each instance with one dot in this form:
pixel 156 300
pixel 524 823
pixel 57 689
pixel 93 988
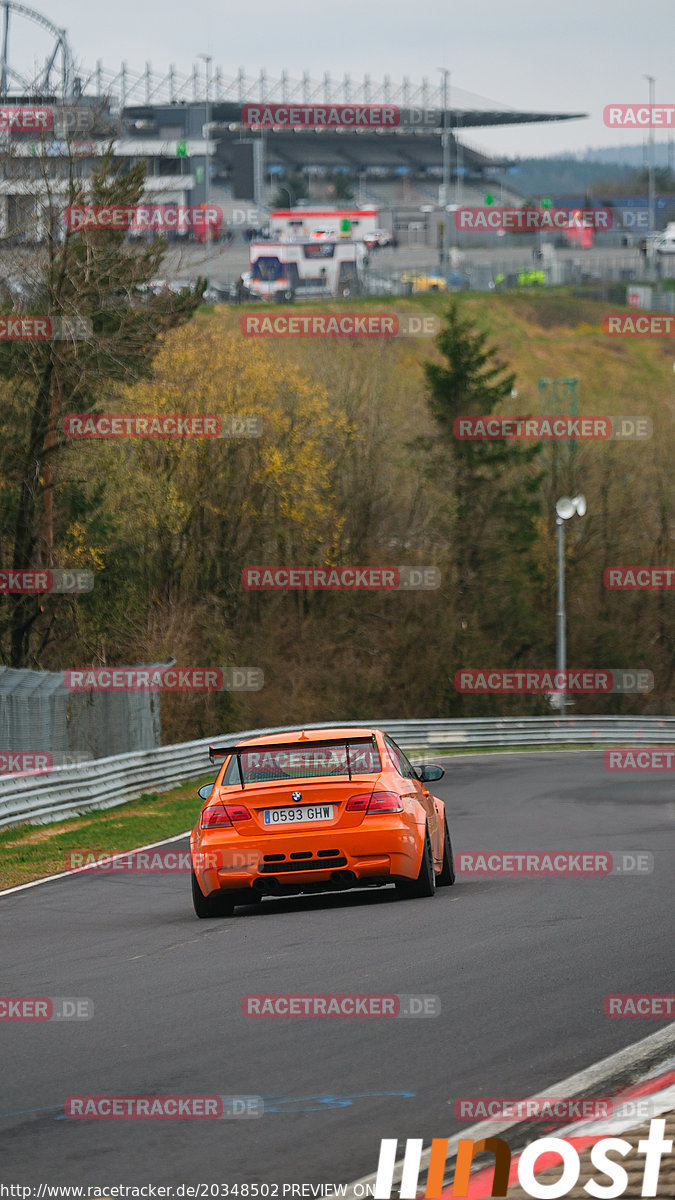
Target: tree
pixel 94 276
pixel 338 186
pixel 294 188
pixel 495 488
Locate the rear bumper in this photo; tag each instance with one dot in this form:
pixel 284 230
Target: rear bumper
pixel 381 852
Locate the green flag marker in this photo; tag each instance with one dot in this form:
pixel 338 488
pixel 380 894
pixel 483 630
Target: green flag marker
pixel 181 149
pixel 546 202
pixel 489 198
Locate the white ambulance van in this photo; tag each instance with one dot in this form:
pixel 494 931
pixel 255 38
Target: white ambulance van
pixel 314 267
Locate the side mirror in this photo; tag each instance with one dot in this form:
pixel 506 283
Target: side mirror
pixel 205 790
pixel 430 774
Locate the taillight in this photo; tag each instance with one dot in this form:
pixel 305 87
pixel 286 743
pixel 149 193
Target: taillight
pixel 379 802
pixel 237 812
pixel 215 814
pixel 358 803
pixel 385 802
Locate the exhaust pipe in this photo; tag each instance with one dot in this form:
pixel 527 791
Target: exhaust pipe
pixel 266 887
pixel 344 879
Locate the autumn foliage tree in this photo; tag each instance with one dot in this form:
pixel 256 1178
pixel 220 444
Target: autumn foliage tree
pixel 94 277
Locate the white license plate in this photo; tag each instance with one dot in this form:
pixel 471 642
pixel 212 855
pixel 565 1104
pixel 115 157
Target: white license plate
pixel 294 816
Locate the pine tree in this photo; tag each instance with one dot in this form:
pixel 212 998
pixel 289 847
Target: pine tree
pixel 494 486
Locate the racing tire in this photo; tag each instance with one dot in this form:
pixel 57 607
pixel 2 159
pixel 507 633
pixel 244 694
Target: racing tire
pixel 218 905
pixel 425 884
pixel 447 875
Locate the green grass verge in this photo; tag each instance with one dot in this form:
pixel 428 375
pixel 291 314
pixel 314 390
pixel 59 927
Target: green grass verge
pixel 29 852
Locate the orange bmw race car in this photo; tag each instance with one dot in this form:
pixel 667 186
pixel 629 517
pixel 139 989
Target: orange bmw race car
pixel 317 810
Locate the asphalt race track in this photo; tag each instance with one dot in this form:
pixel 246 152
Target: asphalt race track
pixel 521 967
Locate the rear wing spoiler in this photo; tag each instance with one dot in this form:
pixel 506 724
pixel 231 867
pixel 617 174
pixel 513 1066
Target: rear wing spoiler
pixel 237 750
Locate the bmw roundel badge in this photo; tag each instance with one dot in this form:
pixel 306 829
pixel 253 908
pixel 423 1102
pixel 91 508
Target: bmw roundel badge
pixel 297 796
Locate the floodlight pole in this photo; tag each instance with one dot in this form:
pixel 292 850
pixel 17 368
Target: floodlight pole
pixel 445 144
pixel 561 626
pixel 564 509
pixel 652 215
pixel 207 161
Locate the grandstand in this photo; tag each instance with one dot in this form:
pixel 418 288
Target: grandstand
pixel 187 129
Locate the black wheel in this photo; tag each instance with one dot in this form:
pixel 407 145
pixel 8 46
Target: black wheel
pixel 425 884
pixel 220 905
pixel 447 875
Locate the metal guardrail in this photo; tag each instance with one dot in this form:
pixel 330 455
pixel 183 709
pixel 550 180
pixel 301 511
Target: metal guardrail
pixel 69 791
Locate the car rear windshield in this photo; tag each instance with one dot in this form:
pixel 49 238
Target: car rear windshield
pixel 303 761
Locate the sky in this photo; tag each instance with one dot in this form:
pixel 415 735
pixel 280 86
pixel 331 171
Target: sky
pixel 564 56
